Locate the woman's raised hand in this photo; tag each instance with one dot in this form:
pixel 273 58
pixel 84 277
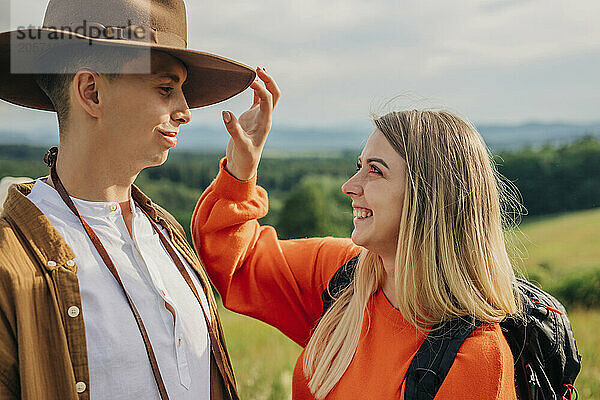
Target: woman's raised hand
pixel 249 133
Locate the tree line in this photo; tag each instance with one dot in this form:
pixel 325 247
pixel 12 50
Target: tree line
pixel 305 195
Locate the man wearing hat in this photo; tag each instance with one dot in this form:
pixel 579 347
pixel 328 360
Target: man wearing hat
pixel 100 294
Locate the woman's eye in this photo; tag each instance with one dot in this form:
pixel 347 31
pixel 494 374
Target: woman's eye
pixel 166 89
pixel 374 169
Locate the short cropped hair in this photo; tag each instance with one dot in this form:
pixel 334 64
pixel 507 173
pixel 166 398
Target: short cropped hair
pixel 70 59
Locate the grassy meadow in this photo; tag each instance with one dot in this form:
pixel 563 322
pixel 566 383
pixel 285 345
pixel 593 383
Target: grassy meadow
pixel 550 249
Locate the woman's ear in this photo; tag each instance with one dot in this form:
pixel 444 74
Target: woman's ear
pixel 85 86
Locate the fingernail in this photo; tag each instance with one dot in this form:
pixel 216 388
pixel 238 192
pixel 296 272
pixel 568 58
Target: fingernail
pixel 226 117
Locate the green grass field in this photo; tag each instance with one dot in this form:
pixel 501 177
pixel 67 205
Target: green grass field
pixel 551 247
pixel 263 358
pixel 555 246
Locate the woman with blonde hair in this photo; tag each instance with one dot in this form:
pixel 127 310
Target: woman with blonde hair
pixel 427 247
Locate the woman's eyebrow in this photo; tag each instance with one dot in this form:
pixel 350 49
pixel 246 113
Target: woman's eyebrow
pixel 379 160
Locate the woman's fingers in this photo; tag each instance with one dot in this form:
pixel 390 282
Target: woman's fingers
pixel 242 155
pixel 264 95
pixel 232 125
pixel 255 101
pixel 270 84
pixel 249 133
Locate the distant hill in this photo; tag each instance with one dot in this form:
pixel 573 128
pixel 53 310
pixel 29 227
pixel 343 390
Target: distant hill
pixel 511 137
pixel 295 140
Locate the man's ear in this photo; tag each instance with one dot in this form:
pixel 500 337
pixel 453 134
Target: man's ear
pixel 85 85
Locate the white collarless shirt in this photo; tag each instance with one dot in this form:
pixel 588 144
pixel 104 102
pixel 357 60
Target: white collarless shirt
pixel 118 362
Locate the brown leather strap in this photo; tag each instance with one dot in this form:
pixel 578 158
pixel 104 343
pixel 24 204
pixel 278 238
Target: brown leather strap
pixel 188 279
pixel 111 267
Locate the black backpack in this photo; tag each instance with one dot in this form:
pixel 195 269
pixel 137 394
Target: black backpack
pixel 542 344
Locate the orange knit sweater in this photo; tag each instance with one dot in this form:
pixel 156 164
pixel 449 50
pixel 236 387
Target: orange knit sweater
pixel 281 282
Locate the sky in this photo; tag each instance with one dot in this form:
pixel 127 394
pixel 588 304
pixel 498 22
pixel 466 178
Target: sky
pixel 492 61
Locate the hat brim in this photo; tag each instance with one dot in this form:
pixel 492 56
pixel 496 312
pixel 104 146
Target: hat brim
pixel 210 80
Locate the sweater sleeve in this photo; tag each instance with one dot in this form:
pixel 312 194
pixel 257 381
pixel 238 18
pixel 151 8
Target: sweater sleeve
pixel 277 281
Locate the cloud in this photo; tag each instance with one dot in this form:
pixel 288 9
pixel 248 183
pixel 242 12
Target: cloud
pixel 334 59
pixel 438 34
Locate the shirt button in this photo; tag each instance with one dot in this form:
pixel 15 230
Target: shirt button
pixel 73 311
pixel 80 387
pixel 51 263
pixel 70 263
pixel 113 207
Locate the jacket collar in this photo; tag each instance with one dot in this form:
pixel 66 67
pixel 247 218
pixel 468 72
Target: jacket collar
pixel 145 203
pixel 39 234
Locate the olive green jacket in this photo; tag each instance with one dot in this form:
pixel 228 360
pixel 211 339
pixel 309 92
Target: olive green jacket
pixel 43 352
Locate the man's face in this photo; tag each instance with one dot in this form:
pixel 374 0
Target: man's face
pixel 142 113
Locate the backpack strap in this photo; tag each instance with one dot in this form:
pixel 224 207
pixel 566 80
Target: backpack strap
pixel 436 355
pixel 342 278
pixel 434 358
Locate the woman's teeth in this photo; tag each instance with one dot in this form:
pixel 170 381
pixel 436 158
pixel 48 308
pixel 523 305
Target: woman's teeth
pixel 360 214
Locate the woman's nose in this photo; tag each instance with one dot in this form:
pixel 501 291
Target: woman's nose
pixel 352 186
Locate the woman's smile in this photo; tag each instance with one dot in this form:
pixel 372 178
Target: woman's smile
pixel 361 213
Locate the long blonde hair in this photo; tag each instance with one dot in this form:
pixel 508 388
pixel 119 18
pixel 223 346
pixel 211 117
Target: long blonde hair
pixel 451 258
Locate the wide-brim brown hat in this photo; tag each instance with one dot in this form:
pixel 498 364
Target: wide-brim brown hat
pixel 156 25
